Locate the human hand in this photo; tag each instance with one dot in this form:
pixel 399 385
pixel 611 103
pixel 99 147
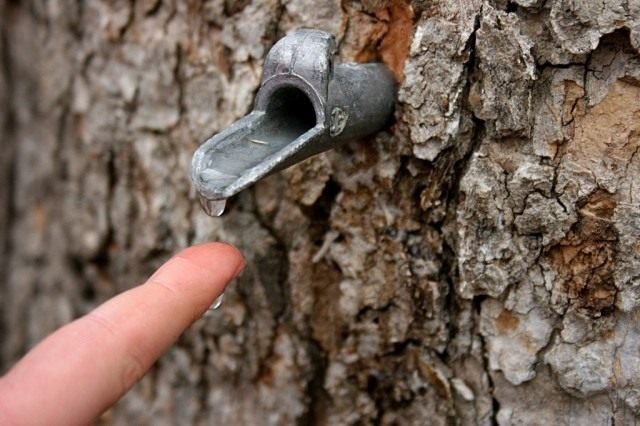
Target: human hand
pixel 82 369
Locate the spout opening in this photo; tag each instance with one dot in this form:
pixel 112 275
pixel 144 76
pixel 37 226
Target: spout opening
pixel 289 114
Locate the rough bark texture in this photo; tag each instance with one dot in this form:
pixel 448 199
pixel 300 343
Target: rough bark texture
pixel 477 262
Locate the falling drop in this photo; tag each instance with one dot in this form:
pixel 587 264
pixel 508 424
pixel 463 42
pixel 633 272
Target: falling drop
pixel 213 208
pixel 217 303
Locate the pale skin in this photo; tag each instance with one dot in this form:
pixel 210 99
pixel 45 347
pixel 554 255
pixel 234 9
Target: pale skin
pixel 82 369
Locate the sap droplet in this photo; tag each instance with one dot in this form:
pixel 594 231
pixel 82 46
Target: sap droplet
pixel 217 303
pixel 213 208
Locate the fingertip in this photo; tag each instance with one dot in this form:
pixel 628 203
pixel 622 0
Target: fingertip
pixel 205 269
pixel 213 255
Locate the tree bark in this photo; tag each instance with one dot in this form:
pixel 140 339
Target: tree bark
pixel 478 262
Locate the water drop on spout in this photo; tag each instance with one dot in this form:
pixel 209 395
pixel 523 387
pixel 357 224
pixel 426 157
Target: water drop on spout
pixel 217 303
pixel 213 208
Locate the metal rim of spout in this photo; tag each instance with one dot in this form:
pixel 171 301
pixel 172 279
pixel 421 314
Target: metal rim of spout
pixel 348 101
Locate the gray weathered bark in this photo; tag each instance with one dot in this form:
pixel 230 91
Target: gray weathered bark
pixel 479 261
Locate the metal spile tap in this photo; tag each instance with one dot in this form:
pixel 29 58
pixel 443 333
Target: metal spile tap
pixel 305 105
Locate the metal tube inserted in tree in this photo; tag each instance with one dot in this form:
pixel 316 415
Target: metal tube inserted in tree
pixel 305 105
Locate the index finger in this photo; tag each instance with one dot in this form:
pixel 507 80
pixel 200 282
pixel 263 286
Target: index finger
pixel 85 367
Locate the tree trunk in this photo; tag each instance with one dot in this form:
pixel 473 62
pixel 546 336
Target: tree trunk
pixel 477 262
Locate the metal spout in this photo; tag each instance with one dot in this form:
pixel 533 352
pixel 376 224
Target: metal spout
pixel 304 106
